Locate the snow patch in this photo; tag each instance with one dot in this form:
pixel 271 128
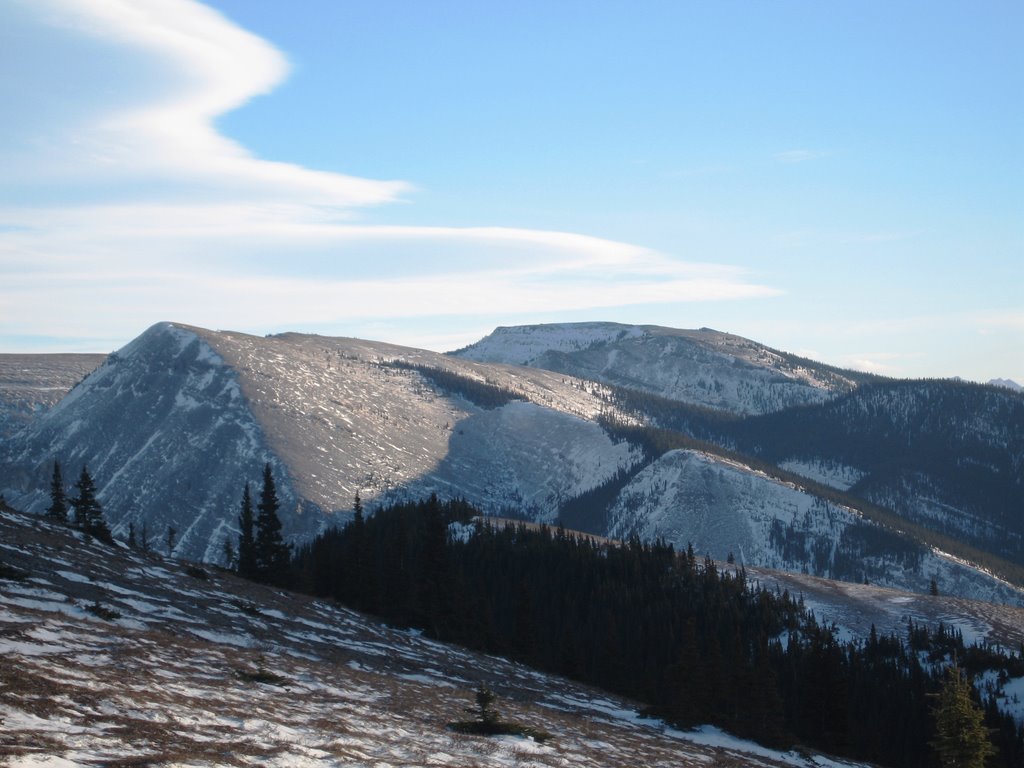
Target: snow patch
pixel 828 473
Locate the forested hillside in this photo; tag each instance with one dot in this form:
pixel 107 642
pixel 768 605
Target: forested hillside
pixel 946 454
pixel 941 459
pixel 698 643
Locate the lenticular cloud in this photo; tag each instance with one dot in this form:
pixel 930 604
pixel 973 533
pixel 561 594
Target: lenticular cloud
pixel 126 195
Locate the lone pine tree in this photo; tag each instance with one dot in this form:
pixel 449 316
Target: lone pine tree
pixel 58 509
pixel 273 556
pixel 246 537
pixel 88 512
pixel 961 738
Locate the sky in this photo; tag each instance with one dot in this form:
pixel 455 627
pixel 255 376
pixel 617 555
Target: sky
pixel 840 180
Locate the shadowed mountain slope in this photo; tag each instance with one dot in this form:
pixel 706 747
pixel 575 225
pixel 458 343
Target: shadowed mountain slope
pixel 173 425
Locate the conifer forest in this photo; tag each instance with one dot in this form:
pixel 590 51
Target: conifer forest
pixel 697 642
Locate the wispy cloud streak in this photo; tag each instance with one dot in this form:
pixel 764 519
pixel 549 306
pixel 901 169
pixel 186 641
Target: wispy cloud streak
pixel 136 208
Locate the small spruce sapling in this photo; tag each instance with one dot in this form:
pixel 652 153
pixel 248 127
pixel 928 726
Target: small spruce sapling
pixel 489 724
pixel 485 705
pixel 228 550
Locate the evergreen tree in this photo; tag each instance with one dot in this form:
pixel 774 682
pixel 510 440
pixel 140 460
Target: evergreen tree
pixel 58 510
pixel 88 512
pixel 272 555
pixel 698 643
pixel 247 537
pixel 485 705
pixel 356 567
pixel 961 738
pixel 357 511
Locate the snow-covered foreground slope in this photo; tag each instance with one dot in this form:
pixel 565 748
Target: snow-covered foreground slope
pixel 723 508
pixel 111 657
pixel 702 367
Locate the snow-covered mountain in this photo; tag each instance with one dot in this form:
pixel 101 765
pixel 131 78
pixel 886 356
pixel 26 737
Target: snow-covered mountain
pixel 1008 384
pixel 166 434
pixel 738 513
pixel 174 424
pixel 945 455
pixel 702 367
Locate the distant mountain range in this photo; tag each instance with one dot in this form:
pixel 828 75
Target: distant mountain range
pixel 689 436
pixel 32 384
pixel 1008 383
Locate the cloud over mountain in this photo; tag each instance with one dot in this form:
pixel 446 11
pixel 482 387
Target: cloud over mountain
pixel 120 190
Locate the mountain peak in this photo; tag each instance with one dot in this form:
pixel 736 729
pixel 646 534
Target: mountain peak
pixel 703 367
pixel 1007 384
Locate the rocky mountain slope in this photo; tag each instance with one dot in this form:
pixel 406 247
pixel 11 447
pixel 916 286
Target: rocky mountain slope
pixel 116 657
pixel 700 367
pixel 738 513
pixel 175 423
pixel 944 455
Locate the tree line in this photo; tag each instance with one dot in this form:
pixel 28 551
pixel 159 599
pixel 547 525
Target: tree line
pixel 966 439
pixel 261 552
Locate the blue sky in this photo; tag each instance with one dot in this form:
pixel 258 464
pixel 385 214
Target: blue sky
pixel 840 180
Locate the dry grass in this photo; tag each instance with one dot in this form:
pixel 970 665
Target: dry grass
pixel 212 672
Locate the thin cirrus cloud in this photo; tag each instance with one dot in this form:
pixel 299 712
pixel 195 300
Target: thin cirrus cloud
pixel 124 205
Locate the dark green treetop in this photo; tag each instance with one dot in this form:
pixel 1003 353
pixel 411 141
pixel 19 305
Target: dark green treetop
pixel 961 738
pixel 58 509
pixel 88 512
pixel 247 537
pixel 273 556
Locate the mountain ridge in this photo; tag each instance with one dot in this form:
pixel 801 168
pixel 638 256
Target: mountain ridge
pixel 692 366
pixel 176 422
